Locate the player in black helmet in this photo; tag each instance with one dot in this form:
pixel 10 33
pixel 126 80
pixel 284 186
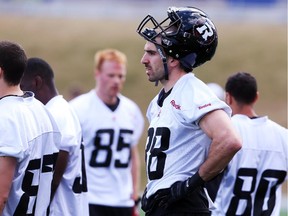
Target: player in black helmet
pixel 190 137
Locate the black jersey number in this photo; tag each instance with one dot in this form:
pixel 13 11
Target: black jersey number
pixel 269 179
pixel 30 189
pixel 79 187
pixel 103 143
pixel 161 134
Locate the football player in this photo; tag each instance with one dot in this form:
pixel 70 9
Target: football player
pixel 251 184
pixel 29 141
pixel 69 185
pixel 112 125
pixel 190 137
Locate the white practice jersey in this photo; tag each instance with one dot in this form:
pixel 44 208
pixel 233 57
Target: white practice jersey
pixel 108 138
pixel 176 145
pixel 71 195
pixel 28 133
pixel 251 185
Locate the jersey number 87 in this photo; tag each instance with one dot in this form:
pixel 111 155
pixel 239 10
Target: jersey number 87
pixel 33 171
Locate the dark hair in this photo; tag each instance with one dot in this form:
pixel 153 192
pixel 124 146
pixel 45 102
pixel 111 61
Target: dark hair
pixel 13 61
pixel 242 86
pixel 39 67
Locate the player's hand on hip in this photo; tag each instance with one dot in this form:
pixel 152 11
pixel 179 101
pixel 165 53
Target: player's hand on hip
pixel 177 191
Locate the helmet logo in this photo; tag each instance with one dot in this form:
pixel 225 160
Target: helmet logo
pixel 205 31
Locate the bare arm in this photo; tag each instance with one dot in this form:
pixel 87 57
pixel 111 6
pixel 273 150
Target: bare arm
pixel 135 169
pixel 60 167
pixel 7 169
pixel 225 143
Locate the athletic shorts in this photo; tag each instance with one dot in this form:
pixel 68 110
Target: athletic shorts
pixel 195 204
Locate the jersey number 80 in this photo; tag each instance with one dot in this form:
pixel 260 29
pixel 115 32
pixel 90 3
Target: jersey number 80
pixel 269 181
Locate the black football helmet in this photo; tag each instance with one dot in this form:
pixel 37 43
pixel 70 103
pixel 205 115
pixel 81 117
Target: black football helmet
pixel 187 34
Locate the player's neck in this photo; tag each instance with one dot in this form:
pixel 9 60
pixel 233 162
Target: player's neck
pixel 248 111
pixel 107 99
pixel 10 90
pixel 173 78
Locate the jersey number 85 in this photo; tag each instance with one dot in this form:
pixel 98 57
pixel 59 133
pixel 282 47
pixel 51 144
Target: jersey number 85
pixel 106 148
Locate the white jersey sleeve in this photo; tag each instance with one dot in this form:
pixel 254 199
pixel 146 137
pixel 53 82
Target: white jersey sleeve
pixel 29 134
pixel 71 195
pixel 108 139
pixel 251 185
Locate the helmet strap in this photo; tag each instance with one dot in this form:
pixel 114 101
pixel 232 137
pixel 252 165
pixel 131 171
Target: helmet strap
pixel 164 60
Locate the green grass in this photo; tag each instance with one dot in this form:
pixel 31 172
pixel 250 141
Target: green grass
pixel 69 46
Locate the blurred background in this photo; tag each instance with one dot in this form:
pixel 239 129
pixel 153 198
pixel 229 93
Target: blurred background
pixel 272 11
pixel 67 33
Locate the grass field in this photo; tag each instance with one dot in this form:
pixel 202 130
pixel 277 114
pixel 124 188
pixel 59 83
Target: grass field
pixel 69 46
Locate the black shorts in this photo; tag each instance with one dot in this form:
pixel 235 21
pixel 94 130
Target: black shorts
pixel 100 210
pixel 196 204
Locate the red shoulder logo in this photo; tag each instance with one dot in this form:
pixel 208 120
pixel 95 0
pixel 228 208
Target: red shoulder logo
pixel 173 103
pixel 204 106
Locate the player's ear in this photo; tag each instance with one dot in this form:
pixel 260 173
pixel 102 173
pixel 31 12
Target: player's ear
pixel 228 98
pixel 256 98
pixel 1 72
pixel 38 82
pixel 173 63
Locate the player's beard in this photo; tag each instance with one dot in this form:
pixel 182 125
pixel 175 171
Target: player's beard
pixel 156 77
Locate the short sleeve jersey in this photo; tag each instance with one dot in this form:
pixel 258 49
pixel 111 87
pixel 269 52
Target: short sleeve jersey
pixel 251 185
pixel 108 139
pixel 28 133
pixel 176 145
pixel 71 195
